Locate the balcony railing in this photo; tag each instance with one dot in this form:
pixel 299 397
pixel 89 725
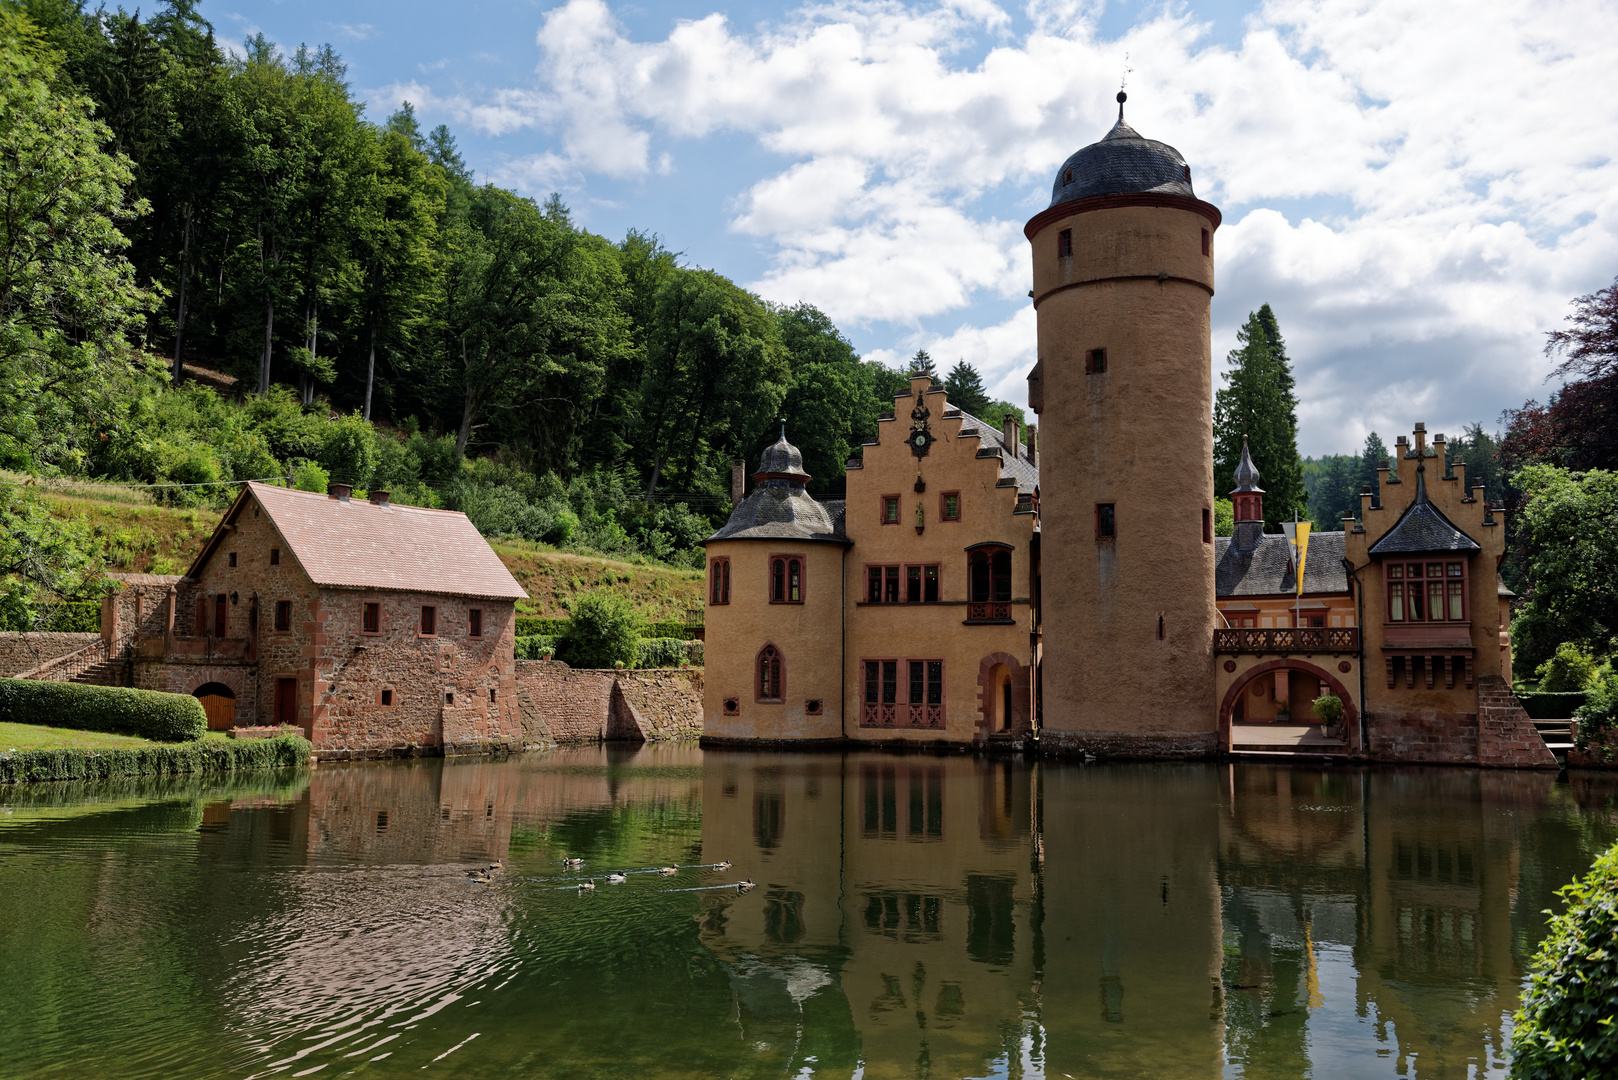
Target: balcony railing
pixel 1289 639
pixel 989 611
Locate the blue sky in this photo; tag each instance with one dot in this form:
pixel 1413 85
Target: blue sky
pixel 1417 187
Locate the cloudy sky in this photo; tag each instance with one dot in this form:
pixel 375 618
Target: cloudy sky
pixel 1417 187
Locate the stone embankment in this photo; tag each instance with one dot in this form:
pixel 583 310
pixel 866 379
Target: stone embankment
pixel 562 704
pixel 20 652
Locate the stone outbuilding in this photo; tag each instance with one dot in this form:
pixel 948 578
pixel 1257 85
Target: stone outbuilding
pixel 376 628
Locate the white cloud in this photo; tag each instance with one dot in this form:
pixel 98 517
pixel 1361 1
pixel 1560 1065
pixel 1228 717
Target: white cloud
pixel 1439 175
pixel 356 31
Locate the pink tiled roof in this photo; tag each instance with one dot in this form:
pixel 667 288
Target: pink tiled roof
pixel 359 545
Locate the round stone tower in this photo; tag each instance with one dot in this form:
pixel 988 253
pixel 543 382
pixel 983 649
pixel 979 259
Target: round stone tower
pixel 1123 276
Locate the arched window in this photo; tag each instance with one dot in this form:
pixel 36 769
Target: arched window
pixel 771 681
pixel 719 583
pixel 794 581
pixel 778 580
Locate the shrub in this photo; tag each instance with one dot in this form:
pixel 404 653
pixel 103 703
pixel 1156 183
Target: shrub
pixel 670 628
pixel 602 633
pixel 201 756
pixel 311 477
pixel 115 709
pixel 1329 709
pixel 1551 706
pixel 1568 1023
pixel 661 652
pixel 535 646
pixel 1598 716
pixel 1570 669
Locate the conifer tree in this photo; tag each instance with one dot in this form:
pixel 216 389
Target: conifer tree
pixel 1257 401
pixel 964 387
pixel 1371 458
pixel 922 364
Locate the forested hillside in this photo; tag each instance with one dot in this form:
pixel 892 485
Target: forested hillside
pixel 365 308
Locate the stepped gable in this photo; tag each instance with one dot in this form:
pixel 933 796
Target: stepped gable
pixel 1266 569
pixel 357 544
pixel 780 507
pixel 1422 528
pixel 1014 463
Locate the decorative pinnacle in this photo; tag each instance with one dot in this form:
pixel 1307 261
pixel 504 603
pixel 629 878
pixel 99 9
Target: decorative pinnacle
pixel 783 428
pixel 1122 97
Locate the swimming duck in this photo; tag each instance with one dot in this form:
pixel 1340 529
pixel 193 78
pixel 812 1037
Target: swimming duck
pixel 497 865
pixel 616 878
pixel 587 886
pixel 572 863
pixel 743 886
pixel 668 870
pixel 478 877
pixel 725 865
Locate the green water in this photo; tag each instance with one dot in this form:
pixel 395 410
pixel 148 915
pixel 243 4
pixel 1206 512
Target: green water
pixel 913 916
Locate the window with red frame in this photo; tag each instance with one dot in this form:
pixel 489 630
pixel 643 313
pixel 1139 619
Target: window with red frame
pixel 1428 591
pixel 474 622
pixel 902 693
pixel 890 509
pixel 771 678
pixel 719 581
pixel 371 618
pixel 429 621
pixel 283 615
pixel 786 579
pixel 921 584
pixel 949 506
pixel 989 571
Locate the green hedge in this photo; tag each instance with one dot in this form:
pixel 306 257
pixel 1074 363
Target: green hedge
pixel 534 626
pixel 661 652
pixel 1544 706
pixel 115 709
pixel 1568 1023
pixel 201 756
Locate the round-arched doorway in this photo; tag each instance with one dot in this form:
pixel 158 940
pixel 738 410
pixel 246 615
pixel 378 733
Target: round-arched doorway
pixel 219 702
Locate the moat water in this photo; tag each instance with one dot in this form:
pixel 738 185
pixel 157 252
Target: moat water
pixel 912 917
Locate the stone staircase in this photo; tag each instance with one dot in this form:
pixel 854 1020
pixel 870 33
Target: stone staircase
pixel 97 664
pixel 1558 736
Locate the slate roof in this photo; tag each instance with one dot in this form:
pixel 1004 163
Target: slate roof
pixel 780 513
pixel 1014 463
pixel 1123 162
pixel 1422 528
pixel 1246 472
pixel 1267 569
pixel 356 544
pixel 782 458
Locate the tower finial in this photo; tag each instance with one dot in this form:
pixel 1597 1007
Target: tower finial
pixel 783 429
pixel 1122 97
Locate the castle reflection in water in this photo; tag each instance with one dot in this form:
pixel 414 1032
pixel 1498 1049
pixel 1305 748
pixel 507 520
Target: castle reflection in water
pixel 927 916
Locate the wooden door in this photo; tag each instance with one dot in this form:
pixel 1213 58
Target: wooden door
pixel 221 711
pixel 286 702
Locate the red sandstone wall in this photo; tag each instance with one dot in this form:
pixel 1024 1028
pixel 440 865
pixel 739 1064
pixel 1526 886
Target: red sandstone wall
pixel 1499 735
pixel 566 705
pixel 23 652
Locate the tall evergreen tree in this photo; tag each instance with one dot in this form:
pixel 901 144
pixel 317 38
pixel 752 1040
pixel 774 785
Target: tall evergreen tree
pixel 964 388
pixel 1257 402
pixel 1371 458
pixel 922 364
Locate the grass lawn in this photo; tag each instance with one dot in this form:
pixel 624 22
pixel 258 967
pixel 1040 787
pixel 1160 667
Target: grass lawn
pixel 35 737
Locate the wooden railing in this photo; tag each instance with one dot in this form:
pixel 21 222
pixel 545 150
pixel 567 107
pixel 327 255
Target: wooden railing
pixel 1289 639
pixel 888 715
pixel 987 611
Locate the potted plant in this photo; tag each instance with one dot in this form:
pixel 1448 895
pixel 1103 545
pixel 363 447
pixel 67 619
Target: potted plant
pixel 1329 708
pixel 1283 711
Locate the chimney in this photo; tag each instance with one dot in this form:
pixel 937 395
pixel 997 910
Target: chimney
pixel 738 481
pixel 340 492
pixel 1033 444
pixel 380 496
pixel 1008 432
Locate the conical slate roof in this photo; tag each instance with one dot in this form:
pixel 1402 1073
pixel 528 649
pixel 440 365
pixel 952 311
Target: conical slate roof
pixel 780 508
pixel 1123 162
pixel 1423 528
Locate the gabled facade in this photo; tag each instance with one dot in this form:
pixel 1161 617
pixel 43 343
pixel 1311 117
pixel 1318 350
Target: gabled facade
pixel 905 612
pixel 377 629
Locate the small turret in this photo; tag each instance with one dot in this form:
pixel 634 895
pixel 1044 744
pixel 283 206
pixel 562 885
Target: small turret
pixel 1248 500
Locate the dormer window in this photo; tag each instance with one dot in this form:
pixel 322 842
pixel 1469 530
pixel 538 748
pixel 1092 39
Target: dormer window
pixel 1067 175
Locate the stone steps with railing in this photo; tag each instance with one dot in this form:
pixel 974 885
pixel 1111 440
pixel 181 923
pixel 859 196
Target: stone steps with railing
pixel 96 664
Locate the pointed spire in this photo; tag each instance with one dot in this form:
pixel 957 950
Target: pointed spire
pixel 1246 472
